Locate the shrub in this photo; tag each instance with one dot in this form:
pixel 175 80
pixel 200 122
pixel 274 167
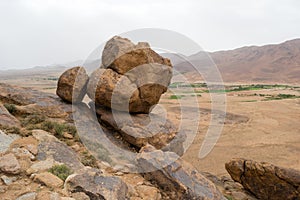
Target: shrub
pixel 61 171
pixel 11 108
pixel 88 159
pixel 33 119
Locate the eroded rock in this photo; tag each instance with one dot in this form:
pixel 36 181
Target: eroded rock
pixel 50 147
pixel 97 185
pixel 9 164
pixel 7 119
pixel 71 86
pixel 49 180
pixel 142 129
pixel 265 180
pixel 132 77
pixel 178 178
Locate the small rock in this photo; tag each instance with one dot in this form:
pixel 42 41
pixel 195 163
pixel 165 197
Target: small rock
pixel 8 180
pixel 71 86
pixel 40 166
pixel 148 192
pixel 28 196
pixel 49 180
pixel 9 164
pixel 68 136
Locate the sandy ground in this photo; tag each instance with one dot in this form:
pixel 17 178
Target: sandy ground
pixel 260 130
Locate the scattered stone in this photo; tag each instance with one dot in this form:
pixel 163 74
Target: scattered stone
pixel 175 176
pixel 265 180
pixel 49 180
pixel 135 74
pixel 6 140
pixel 8 180
pixel 71 86
pixel 27 196
pixel 29 143
pixel 97 185
pixel 9 164
pixel 68 136
pixel 7 119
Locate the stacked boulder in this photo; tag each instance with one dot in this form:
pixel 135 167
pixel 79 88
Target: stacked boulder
pixel 124 90
pixel 127 86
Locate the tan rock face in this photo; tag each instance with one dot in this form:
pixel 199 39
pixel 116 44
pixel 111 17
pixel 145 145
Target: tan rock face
pixel 49 180
pixel 9 164
pixel 132 77
pixel 265 180
pixel 177 178
pixel 6 119
pixel 71 86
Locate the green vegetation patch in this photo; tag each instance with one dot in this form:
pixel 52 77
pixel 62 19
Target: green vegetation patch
pixel 61 171
pixel 11 108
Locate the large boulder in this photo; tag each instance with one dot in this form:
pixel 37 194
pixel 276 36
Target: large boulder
pixel 265 180
pixel 132 77
pixel 142 129
pixel 176 177
pixel 71 86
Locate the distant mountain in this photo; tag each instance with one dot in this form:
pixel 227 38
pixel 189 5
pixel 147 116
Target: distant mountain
pixel 270 63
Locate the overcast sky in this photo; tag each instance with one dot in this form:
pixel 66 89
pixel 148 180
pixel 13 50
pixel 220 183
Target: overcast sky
pixel 43 32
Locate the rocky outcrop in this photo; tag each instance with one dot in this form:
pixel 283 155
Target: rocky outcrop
pixel 96 185
pixel 28 101
pixel 71 86
pixel 178 178
pixel 265 180
pixel 51 147
pixel 142 129
pixel 132 77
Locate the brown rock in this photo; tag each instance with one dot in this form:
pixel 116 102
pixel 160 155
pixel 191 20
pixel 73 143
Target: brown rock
pixel 31 101
pixel 49 180
pixel 96 185
pixel 134 75
pixel 9 164
pixel 179 179
pixel 265 180
pixel 135 130
pixel 6 119
pixel 71 86
pixel 121 55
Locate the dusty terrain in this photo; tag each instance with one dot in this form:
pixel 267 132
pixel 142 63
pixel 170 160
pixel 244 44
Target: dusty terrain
pixel 254 129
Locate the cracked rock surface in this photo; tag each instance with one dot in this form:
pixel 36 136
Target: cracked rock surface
pixel 265 180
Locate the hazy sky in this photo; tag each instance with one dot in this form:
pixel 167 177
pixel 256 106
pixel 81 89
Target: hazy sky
pixel 43 32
